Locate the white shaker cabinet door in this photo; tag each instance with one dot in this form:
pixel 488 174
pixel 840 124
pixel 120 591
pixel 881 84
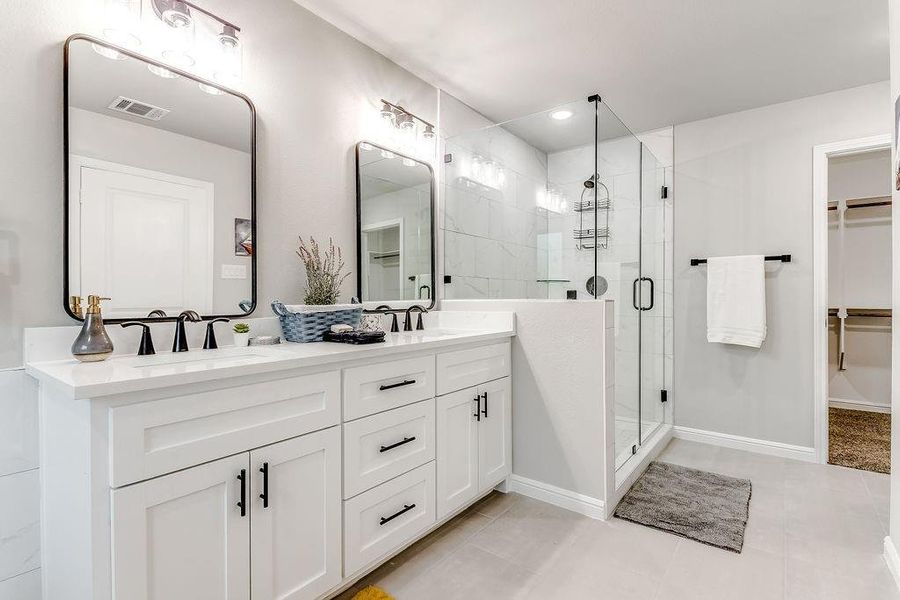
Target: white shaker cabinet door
pixel 456 450
pixel 183 536
pixel 296 512
pixel 495 433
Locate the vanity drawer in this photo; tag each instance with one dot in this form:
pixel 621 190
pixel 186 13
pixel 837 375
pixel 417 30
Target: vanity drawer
pixel 375 388
pixel 387 517
pixel 385 445
pixel 153 438
pixel 465 368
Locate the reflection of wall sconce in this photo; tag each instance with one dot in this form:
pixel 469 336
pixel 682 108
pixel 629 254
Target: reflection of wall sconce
pixel 487 172
pixel 182 35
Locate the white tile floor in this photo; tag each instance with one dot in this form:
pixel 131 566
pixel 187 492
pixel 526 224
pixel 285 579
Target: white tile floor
pixel 815 532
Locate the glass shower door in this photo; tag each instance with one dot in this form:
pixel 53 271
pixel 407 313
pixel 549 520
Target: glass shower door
pixel 653 276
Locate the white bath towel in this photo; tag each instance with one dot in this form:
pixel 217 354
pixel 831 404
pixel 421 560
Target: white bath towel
pixel 736 300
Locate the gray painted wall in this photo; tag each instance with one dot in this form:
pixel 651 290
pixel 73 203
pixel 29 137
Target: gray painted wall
pixel 316 91
pixel 743 185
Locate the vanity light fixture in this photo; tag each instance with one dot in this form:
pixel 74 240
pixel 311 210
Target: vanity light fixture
pixel 408 132
pixel 174 13
pixel 405 121
pixel 561 115
pixel 387 112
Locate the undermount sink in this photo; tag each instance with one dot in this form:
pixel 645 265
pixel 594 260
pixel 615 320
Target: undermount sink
pixel 230 355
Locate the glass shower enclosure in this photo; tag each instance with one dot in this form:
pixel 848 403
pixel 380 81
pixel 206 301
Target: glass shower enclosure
pixel 564 204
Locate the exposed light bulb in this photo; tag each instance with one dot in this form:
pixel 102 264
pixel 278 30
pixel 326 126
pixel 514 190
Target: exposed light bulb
pixel 387 113
pixel 405 122
pixel 177 15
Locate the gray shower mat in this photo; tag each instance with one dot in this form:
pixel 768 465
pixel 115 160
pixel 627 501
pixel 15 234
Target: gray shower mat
pixel 698 505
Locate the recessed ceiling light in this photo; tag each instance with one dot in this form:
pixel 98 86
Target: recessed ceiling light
pixel 561 115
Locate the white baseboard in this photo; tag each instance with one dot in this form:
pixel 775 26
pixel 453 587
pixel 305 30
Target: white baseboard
pixel 892 559
pixel 738 442
pixel 859 405
pixel 579 503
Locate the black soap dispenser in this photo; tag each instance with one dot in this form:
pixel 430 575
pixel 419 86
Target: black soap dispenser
pixel 93 343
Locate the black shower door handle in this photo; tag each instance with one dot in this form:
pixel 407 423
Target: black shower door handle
pixel 634 294
pixel 652 294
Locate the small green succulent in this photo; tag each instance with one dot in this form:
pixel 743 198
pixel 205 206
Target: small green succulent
pixel 241 328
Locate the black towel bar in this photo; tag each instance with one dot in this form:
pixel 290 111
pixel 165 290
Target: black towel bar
pixel 785 258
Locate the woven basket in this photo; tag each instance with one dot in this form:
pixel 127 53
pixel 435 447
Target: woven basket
pixel 307 323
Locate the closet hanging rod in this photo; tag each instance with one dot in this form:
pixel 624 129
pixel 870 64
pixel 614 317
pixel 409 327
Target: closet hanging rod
pixel 785 258
pixel 863 202
pixel 864 312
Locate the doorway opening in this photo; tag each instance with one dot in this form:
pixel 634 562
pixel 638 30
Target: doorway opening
pixel 853 283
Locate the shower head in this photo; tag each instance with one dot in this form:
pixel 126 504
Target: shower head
pixel 589 183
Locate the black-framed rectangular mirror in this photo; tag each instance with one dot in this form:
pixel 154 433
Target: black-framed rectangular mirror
pixel 395 209
pixel 160 171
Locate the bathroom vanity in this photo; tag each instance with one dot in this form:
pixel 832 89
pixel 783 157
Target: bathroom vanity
pixel 264 472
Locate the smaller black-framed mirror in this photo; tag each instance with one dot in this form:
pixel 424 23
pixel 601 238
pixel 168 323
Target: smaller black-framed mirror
pixel 160 203
pixel 395 237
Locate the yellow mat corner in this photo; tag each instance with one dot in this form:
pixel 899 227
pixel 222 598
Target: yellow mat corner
pixel 372 593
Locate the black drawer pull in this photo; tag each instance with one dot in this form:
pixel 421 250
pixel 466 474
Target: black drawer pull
pixel 391 386
pixel 264 469
pixel 406 508
pixel 484 410
pixel 477 414
pixel 243 503
pixel 396 444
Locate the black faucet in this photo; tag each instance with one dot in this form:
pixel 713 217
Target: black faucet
pixel 407 322
pixel 180 344
pixel 146 346
pixel 209 343
pixel 394 327
pixel 156 313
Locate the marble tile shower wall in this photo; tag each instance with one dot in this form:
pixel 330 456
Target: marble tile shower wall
pixel 492 233
pixel 20 556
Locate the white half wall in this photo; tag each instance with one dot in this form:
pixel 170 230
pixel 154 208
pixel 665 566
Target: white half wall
pixel 559 378
pixel 743 185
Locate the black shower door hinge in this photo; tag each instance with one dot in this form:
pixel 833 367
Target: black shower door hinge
pixel 448 158
pixel 663 395
pixel 664 192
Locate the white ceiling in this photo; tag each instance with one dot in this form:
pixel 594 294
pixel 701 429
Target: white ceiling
pixel 655 62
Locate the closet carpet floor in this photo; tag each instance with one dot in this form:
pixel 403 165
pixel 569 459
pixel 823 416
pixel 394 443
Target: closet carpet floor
pixel 859 439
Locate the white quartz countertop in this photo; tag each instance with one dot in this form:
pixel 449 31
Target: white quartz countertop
pixel 123 374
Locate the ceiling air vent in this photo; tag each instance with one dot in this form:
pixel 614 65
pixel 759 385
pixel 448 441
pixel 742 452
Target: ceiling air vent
pixel 138 109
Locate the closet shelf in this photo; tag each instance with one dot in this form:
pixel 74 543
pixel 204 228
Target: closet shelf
pixel 863 202
pixel 863 312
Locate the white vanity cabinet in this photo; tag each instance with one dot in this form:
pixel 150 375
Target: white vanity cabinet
pixel 270 517
pixel 182 536
pixel 284 482
pixel 474 443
